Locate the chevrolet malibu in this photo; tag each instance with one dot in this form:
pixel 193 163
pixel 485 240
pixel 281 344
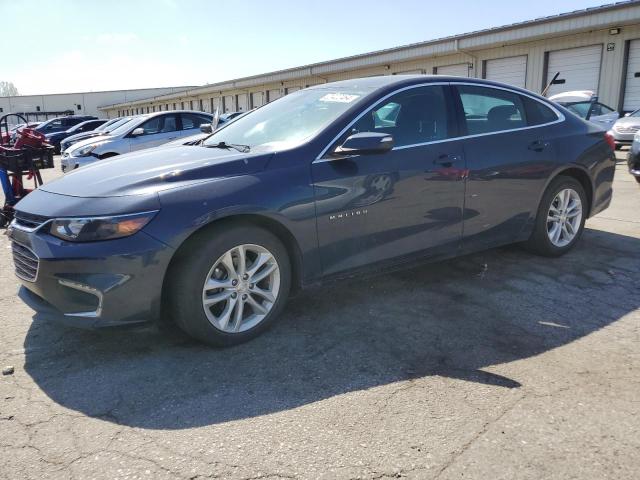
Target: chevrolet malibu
pixel 343 178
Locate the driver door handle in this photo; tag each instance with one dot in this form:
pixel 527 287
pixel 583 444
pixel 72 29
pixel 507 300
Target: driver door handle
pixel 538 145
pixel 447 160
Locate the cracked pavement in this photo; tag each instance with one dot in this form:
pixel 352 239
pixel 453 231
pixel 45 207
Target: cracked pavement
pixel 527 369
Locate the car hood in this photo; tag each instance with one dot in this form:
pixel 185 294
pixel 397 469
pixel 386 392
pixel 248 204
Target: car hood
pixel 154 170
pixel 83 135
pixel 627 121
pixel 91 141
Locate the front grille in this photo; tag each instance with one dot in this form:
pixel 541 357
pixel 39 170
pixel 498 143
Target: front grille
pixel 622 129
pixel 28 220
pixel 25 262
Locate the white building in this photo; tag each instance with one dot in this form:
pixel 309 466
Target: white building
pixel 594 49
pixel 41 107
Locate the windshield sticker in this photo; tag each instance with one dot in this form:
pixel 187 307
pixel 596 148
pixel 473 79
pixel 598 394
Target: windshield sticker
pixel 339 98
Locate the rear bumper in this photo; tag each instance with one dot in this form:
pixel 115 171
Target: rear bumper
pixel 97 284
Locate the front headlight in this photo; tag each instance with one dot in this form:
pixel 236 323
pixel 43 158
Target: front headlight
pixel 92 229
pixel 85 151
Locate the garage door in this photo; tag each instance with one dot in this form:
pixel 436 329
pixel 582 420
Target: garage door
pixel 242 102
pixel 632 84
pixel 227 103
pixel 257 99
pixel 273 94
pixel 410 72
pixel 579 69
pixel 510 70
pixel 460 70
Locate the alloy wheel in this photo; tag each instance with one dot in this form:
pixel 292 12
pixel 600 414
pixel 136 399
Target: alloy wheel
pixel 564 217
pixel 241 288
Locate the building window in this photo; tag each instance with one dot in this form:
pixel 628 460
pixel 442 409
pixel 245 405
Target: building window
pixel 79 107
pixel 1 109
pixel 201 105
pixel 166 107
pixel 181 105
pixel 147 109
pixel 174 106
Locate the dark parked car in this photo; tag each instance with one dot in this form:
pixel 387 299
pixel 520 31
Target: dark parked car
pixel 87 126
pixel 60 124
pixel 103 129
pixel 633 159
pixel 354 176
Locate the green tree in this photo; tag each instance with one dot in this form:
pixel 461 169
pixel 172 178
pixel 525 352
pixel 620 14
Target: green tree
pixel 8 89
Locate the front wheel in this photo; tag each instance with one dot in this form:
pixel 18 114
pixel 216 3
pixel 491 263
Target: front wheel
pixel 560 218
pixel 229 284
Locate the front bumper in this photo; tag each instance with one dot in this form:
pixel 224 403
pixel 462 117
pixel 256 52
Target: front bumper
pixel 624 138
pixel 95 284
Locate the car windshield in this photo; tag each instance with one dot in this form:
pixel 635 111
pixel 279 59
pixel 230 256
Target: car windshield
pixel 116 125
pixel 288 121
pixel 124 128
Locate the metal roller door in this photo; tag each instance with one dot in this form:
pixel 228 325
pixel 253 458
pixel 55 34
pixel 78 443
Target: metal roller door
pixel 227 103
pixel 257 99
pixel 460 70
pixel 579 69
pixel 274 94
pixel 632 82
pixel 242 101
pixel 510 70
pixel 410 72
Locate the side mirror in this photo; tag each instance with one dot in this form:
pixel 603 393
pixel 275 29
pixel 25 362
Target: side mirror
pixel 137 132
pixel 365 143
pixel 206 128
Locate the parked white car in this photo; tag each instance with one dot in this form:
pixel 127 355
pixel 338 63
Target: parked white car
pixel 584 103
pixel 144 131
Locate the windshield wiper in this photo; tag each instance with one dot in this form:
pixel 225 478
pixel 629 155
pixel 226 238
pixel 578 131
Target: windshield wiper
pixel 235 146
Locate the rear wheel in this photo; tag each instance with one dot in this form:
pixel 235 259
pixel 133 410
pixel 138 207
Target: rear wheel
pixel 228 285
pixel 560 218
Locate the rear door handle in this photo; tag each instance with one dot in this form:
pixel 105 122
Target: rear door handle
pixel 538 145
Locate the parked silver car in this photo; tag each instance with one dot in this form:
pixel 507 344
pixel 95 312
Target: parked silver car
pixel 584 103
pixel 144 131
pixel 101 130
pixel 625 128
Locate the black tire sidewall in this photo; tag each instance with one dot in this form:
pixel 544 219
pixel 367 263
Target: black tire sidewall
pixel 194 263
pixel 540 241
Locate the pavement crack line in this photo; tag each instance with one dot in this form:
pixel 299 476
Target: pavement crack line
pixel 478 434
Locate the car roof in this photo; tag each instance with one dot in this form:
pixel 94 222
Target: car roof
pixel 384 81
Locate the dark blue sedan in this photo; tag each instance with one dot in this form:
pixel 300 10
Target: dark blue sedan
pixel 349 177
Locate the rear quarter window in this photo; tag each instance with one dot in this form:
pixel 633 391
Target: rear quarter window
pixel 537 112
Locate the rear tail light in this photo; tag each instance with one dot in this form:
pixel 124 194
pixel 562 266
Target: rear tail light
pixel 610 140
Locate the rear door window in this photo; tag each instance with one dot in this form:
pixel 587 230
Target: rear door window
pixel 191 120
pixel 488 110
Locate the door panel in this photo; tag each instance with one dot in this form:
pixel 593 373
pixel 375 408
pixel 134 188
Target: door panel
pixel 508 163
pixel 372 208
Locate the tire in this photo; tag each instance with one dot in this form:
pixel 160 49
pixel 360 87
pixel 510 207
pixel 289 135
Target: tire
pixel 194 265
pixel 540 241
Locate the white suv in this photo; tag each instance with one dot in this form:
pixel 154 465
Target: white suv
pixel 143 131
